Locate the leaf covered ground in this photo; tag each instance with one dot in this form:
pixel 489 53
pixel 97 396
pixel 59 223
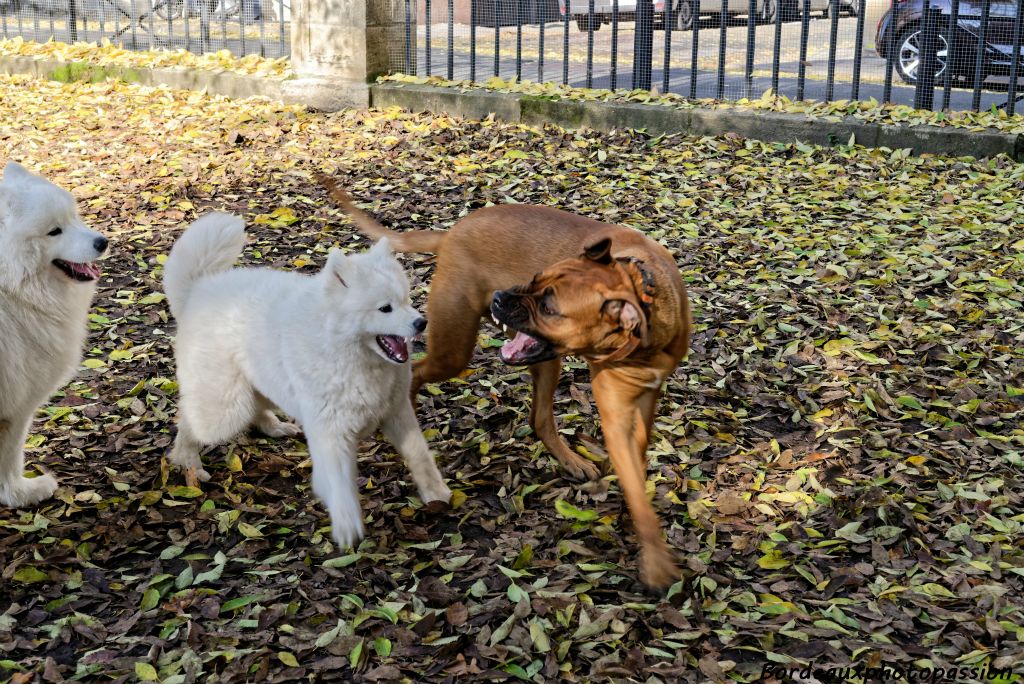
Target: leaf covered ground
pixel 105 53
pixel 838 462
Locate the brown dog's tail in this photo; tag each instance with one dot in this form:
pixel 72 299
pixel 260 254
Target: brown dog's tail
pixel 412 241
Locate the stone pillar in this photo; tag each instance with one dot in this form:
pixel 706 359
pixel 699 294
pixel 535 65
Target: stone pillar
pixel 339 47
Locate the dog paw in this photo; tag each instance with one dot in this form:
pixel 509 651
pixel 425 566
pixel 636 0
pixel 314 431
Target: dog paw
pixel 347 526
pixel 436 494
pixel 436 506
pixel 190 465
pixel 272 426
pixel 581 469
pixel 194 475
pixel 27 491
pixel 658 569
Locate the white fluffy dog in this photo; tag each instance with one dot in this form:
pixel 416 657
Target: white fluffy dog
pixel 330 350
pixel 47 280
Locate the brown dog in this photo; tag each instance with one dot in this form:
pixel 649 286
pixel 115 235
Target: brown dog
pixel 564 285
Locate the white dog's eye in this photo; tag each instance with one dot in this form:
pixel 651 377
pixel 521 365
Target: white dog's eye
pixel 55 232
pixel 385 309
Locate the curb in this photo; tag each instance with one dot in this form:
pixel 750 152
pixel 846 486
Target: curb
pixel 329 95
pixel 657 120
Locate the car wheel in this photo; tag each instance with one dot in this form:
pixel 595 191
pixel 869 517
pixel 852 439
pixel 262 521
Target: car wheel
pixel 584 22
pixel 908 56
pixel 854 7
pixel 769 8
pixel 790 9
pixel 683 15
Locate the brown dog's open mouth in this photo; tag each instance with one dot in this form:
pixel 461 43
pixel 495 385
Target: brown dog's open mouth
pixel 394 347
pixel 524 348
pixel 80 272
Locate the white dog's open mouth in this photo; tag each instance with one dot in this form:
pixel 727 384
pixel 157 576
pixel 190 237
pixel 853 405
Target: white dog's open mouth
pixel 395 347
pixel 80 272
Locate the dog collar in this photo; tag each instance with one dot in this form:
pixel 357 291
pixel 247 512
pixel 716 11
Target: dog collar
pixel 642 280
pixel 644 288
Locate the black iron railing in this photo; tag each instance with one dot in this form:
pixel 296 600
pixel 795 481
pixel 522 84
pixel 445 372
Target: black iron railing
pixel 728 49
pixel 241 26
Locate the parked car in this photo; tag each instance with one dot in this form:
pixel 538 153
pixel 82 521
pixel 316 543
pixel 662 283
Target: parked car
pixel 684 11
pixel 902 24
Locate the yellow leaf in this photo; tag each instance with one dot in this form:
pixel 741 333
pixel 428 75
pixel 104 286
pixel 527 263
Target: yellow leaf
pixel 146 672
pixel 234 463
pixel 248 530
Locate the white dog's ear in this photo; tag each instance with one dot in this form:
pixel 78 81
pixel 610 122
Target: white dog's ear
pixel 381 250
pixel 15 171
pixel 339 270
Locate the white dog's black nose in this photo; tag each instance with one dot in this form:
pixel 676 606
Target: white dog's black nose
pixel 100 244
pixel 420 324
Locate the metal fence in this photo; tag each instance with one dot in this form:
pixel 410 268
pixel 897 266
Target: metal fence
pixel 241 26
pixel 934 54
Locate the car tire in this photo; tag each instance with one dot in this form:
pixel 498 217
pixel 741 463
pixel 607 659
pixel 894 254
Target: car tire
pixel 683 16
pixel 854 7
pixel 907 57
pixel 584 22
pixel 769 8
pixel 790 9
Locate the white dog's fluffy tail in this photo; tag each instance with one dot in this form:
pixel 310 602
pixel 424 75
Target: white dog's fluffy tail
pixel 210 245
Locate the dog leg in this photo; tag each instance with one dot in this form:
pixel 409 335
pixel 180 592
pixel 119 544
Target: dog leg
pixel 647 403
pixel 16 490
pixel 401 429
pixel 334 481
pixel 212 411
pixel 451 336
pixel 620 417
pixel 185 451
pixel 542 420
pixel 268 423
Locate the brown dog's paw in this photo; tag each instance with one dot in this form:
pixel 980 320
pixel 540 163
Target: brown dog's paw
pixel 580 468
pixel 658 570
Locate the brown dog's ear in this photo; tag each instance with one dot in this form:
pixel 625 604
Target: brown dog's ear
pixel 627 315
pixel 600 252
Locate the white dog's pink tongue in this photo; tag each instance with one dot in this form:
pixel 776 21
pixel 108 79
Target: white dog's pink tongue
pixel 518 348
pixel 87 270
pixel 395 347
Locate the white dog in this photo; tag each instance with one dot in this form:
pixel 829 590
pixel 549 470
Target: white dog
pixel 47 280
pixel 329 350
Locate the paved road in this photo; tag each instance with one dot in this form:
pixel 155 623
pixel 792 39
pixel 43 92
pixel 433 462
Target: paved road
pixel 709 38
pixel 735 85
